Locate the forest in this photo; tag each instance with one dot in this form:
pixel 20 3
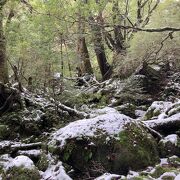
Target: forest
pixel 89 90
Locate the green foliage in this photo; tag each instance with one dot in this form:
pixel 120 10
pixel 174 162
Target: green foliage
pixel 20 173
pixel 43 162
pixel 35 35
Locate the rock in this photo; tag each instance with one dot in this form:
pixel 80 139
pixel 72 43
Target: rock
pixel 154 74
pixel 111 141
pixel 127 109
pixel 33 154
pixel 137 83
pixel 165 125
pixel 174 161
pixel 56 172
pixel 177 177
pixel 20 168
pixel 172 89
pixel 168 176
pixel 133 98
pixel 170 145
pixel 156 109
pixel 108 176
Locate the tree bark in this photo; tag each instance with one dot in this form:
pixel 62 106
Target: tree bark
pixel 85 64
pixel 3 58
pixel 99 49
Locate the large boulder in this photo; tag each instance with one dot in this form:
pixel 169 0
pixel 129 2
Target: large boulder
pixel 113 142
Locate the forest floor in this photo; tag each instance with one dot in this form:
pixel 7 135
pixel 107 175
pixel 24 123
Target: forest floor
pixel 117 129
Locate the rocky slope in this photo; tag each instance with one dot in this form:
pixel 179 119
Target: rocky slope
pixel 126 130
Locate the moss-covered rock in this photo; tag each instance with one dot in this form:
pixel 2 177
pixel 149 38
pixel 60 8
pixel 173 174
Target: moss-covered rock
pixel 156 109
pixel 170 145
pixel 20 173
pixel 113 142
pixel 21 168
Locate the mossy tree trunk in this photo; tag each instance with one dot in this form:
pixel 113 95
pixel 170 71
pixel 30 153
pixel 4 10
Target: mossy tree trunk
pixel 3 58
pixel 85 64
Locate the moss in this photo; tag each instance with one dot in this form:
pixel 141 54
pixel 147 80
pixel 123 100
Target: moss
pixel 161 170
pixel 43 163
pixel 4 132
pixel 140 178
pixel 138 149
pixel 20 173
pixel 70 99
pixel 158 172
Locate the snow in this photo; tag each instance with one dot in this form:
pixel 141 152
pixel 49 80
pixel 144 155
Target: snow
pixel 5 160
pixel 167 174
pixel 21 161
pixel 164 161
pixel 177 177
pixel 155 122
pixel 160 106
pixel 132 174
pixel 55 172
pixel 108 176
pixel 34 153
pixel 140 113
pixel 102 111
pixel 173 138
pixel 111 124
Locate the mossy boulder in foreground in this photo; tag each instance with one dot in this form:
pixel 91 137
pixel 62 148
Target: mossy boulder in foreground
pixel 21 168
pixel 113 142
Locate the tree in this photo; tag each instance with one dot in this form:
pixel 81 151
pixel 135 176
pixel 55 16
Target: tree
pixel 3 58
pixel 83 54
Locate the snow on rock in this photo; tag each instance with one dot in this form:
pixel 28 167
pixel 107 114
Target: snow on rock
pixel 168 120
pixel 21 161
pixel 139 113
pixel 5 160
pixel 110 124
pixel 173 138
pixel 167 175
pixel 177 177
pixel 157 109
pixel 164 161
pixel 55 172
pixel 34 152
pixel 132 174
pixel 108 176
pixel 102 111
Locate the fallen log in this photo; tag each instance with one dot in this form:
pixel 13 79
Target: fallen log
pixel 165 126
pixel 10 147
pixel 72 111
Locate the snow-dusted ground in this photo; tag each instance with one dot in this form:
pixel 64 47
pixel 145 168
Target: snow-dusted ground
pixel 55 172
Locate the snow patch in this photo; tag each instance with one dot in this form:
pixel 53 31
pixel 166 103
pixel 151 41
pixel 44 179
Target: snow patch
pixel 173 138
pixel 177 177
pixel 108 176
pixel 55 172
pixel 167 174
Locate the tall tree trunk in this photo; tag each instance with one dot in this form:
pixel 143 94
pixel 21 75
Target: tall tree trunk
pixel 119 39
pixel 85 65
pixel 3 58
pixel 99 49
